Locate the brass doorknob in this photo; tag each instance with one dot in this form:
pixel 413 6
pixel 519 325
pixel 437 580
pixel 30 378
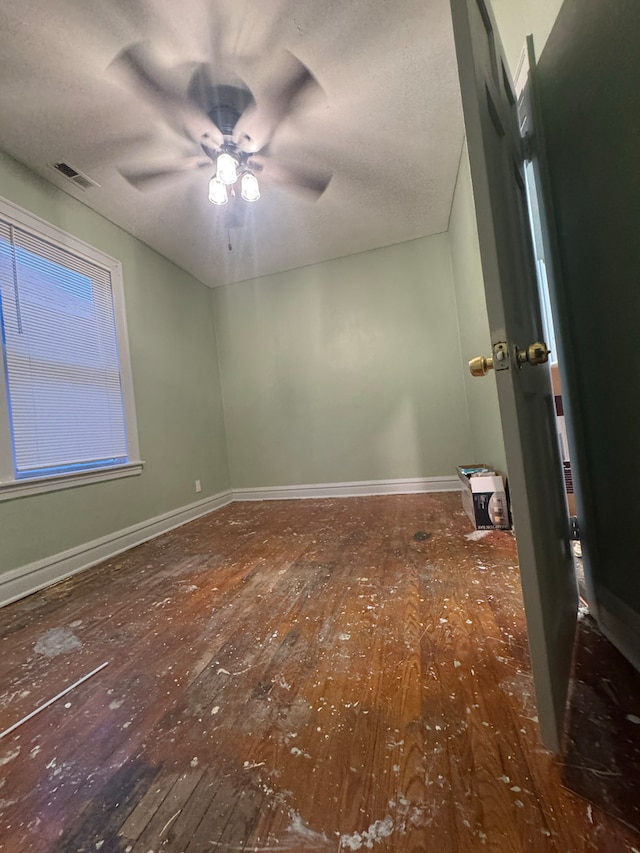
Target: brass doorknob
pixel 504 357
pixel 480 366
pixel 537 353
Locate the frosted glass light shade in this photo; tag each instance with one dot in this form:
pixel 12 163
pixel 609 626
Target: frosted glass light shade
pixel 227 168
pixel 217 191
pixel 250 188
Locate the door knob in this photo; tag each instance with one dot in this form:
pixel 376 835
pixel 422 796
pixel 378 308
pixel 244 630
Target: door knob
pixel 502 358
pixel 537 353
pixel 480 366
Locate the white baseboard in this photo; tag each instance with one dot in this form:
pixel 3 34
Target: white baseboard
pixel 24 580
pixel 406 486
pixel 30 578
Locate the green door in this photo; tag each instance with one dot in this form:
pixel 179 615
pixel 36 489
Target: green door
pixel 524 390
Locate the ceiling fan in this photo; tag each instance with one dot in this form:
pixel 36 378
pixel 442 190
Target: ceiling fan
pixel 228 127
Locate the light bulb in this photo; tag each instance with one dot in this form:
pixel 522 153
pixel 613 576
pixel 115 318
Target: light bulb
pixel 227 168
pixel 250 188
pixel 217 191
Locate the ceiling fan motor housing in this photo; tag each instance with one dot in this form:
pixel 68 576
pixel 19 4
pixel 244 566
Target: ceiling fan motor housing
pixel 228 104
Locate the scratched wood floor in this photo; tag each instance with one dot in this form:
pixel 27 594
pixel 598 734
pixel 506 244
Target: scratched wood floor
pixel 329 675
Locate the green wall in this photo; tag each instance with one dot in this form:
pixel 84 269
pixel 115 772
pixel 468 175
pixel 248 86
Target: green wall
pixel 177 391
pixel 345 370
pixel 353 369
pixel 475 339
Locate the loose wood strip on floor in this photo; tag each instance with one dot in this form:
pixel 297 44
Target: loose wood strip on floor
pixel 316 675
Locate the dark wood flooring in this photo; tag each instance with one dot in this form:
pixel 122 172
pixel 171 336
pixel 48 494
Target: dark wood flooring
pixel 329 675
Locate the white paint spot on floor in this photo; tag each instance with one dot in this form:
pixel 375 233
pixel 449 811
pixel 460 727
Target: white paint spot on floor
pixel 373 835
pixel 194 761
pixel 117 703
pixel 504 779
pixel 633 719
pixel 476 535
pixel 344 637
pixel 9 757
pixel 215 710
pixel 457 663
pixel 296 751
pixel 57 641
pixel 299 828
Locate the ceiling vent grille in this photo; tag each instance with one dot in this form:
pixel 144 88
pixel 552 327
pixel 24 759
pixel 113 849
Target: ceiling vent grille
pixel 75 176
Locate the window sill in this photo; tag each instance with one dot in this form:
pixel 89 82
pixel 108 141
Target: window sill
pixel 39 485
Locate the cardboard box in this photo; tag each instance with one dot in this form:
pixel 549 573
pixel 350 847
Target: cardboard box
pixel 485 497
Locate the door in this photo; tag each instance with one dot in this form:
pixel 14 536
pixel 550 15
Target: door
pixel 586 110
pixel 524 391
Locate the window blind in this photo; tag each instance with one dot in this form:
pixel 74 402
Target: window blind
pixel 62 365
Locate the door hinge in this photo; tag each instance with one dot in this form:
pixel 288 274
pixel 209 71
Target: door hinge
pixel 527 147
pixel 574 528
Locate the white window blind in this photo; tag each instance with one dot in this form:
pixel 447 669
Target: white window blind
pixel 61 359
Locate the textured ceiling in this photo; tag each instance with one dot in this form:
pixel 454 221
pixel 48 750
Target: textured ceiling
pixel 389 126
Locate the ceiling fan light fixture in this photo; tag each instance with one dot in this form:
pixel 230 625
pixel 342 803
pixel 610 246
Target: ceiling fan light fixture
pixel 227 168
pixel 250 189
pixel 217 191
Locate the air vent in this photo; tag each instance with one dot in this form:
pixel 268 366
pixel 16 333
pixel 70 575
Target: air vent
pixel 75 176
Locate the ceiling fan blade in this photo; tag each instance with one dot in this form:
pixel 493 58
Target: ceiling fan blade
pixel 151 175
pixel 219 25
pixel 295 176
pixel 151 79
pixel 287 79
pixel 159 84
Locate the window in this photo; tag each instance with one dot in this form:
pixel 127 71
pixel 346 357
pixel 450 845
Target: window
pixel 66 398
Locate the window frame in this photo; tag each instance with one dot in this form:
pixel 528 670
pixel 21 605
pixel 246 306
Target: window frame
pixel 10 487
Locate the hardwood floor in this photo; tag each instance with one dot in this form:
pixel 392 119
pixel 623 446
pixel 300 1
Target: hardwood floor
pixel 329 675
